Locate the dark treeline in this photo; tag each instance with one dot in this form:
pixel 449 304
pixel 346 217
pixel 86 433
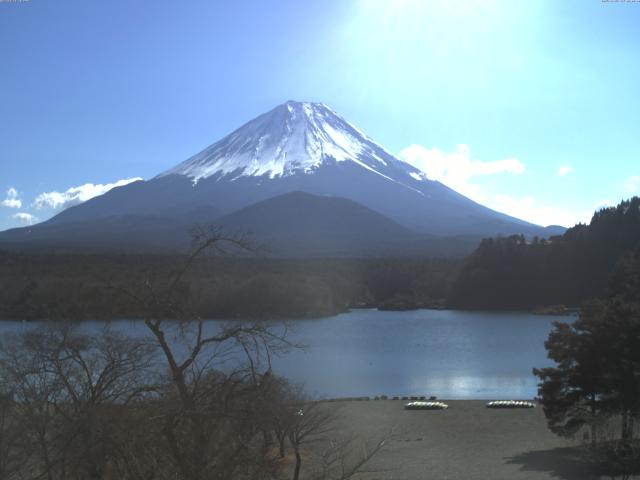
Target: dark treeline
pixel 515 273
pixel 94 286
pixel 182 402
pixel 594 386
pixel 503 273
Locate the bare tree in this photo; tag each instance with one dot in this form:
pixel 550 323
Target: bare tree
pixel 10 437
pixel 35 393
pixel 344 459
pixel 282 403
pixel 191 400
pixel 309 421
pixel 313 429
pixel 211 417
pixel 71 392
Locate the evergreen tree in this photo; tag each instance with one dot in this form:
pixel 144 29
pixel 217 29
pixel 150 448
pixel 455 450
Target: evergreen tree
pixel 597 375
pixel 511 273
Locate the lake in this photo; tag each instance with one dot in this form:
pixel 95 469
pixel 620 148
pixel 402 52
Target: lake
pixel 447 353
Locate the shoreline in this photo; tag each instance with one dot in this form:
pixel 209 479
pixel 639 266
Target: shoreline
pixel 418 398
pixel 564 312
pixel 467 441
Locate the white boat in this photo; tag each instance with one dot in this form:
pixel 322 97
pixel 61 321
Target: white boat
pixel 426 406
pixel 510 404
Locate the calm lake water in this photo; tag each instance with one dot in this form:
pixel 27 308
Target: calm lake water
pixel 447 353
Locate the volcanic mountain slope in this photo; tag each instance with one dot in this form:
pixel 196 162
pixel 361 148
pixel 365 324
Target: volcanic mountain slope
pixel 292 225
pixel 299 224
pixel 296 147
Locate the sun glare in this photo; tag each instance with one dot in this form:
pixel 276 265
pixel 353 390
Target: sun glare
pixel 420 43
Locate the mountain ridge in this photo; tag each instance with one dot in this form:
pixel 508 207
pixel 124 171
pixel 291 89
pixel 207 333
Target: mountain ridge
pixel 296 147
pixel 292 225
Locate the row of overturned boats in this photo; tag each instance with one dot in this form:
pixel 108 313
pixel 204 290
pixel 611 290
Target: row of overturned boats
pixel 496 404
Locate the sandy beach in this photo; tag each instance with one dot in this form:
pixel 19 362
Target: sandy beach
pixel 467 441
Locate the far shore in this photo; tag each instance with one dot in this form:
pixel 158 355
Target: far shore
pixel 554 310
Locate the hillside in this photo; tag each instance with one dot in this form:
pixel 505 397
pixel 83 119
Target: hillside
pixel 513 273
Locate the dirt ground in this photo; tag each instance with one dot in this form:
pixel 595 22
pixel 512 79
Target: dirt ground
pixel 467 441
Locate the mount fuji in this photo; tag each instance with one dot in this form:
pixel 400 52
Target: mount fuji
pixel 299 168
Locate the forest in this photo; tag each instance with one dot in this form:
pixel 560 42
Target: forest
pixel 75 287
pixel 518 273
pixel 593 386
pixel 508 273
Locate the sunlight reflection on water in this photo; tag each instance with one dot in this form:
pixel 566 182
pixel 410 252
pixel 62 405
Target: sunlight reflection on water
pixel 447 353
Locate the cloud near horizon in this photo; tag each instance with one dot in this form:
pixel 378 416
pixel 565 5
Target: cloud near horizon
pixel 530 209
pixel 12 200
pixel 25 218
pixel 457 170
pixel 76 195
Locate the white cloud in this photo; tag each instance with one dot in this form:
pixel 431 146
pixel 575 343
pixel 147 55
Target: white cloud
pixel 26 218
pixel 456 169
pixel 632 184
pixel 564 170
pixel 12 200
pixel 76 195
pixel 530 209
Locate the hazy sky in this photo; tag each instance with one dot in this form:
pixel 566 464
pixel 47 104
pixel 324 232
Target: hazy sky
pixel 530 107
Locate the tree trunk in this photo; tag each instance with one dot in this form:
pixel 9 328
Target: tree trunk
pixel 45 455
pixel 594 428
pixel 625 425
pixel 281 441
pixel 296 472
pixel 266 440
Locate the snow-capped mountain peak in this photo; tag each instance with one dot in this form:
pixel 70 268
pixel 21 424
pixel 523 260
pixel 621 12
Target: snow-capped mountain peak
pixel 295 137
pixel 261 175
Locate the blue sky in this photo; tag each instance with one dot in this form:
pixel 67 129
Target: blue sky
pixel 532 108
